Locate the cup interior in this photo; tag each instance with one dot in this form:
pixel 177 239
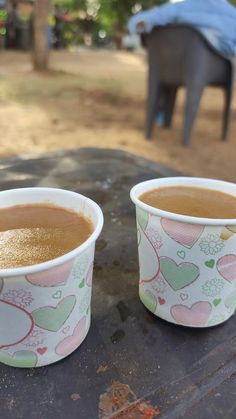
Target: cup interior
pixel 221 186
pixel 59 197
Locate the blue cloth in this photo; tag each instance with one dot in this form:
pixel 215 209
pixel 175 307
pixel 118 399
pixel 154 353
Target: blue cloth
pixel 215 19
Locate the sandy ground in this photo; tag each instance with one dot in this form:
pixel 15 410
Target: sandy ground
pixel 97 98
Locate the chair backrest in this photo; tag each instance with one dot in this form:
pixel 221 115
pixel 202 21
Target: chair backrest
pixel 180 51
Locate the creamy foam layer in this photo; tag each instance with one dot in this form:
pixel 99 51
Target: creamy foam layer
pixel 31 234
pixel 192 201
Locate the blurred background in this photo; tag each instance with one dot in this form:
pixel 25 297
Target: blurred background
pixel 71 76
pixel 97 23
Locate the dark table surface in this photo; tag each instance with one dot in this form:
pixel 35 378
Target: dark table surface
pixel 132 364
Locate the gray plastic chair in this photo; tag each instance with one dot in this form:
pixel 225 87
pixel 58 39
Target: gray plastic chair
pixel 178 55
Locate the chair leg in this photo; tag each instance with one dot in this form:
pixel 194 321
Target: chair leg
pixel 226 114
pixel 194 94
pixel 170 105
pixel 152 99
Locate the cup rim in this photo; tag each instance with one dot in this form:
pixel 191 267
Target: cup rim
pixel 150 184
pixel 52 263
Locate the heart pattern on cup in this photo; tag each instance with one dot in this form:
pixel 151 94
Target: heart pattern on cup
pixel 53 318
pixel 82 284
pixel 226 266
pixel 216 301
pixel 183 233
pixel 142 217
pixel 230 301
pixel 148 299
pixel 226 233
pixel 148 271
pixel 41 351
pixel 28 359
pixel 183 296
pixel 161 301
pixel 181 254
pixel 70 343
pixel 197 315
pixel 57 295
pixel 178 276
pixel 210 263
pixel 43 309
pixel 183 276
pixel 138 236
pixel 89 276
pixel 231 228
pixel 52 277
pixel 66 329
pixel 11 336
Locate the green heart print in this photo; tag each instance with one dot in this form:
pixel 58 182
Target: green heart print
pixel 230 302
pixel 178 276
pixel 53 318
pixel 217 301
pixel 142 217
pixel 210 263
pixel 82 283
pixel 22 359
pixel 148 299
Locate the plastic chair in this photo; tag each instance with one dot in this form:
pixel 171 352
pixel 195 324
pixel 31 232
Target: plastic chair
pixel 178 55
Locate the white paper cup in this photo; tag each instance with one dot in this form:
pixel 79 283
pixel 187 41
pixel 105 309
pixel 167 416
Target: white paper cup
pixel 187 264
pixel 45 308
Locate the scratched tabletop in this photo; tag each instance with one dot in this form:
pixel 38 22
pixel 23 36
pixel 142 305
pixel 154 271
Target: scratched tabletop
pixel 132 364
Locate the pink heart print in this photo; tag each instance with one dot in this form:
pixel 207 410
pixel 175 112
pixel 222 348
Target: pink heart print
pixel 148 271
pixel 197 315
pixel 19 330
pixel 161 301
pixel 41 351
pixel 51 277
pixel 70 343
pixel 89 277
pixel 227 267
pixel 183 233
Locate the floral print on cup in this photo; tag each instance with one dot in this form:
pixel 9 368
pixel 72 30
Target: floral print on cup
pixel 213 287
pixel 211 244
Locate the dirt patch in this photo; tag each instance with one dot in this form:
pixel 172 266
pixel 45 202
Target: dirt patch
pixel 120 402
pixel 97 98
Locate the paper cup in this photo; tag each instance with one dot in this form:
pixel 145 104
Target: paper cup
pixel 187 264
pixel 45 308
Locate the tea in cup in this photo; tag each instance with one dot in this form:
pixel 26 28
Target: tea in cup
pixel 48 239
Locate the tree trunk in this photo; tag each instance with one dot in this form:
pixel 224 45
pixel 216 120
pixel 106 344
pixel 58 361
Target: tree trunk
pixel 41 41
pixel 119 32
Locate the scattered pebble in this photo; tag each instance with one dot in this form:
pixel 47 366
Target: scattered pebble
pixel 102 368
pixel 75 396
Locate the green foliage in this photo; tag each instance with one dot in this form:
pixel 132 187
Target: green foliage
pixel 121 7
pixel 72 4
pixel 114 14
pixel 110 15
